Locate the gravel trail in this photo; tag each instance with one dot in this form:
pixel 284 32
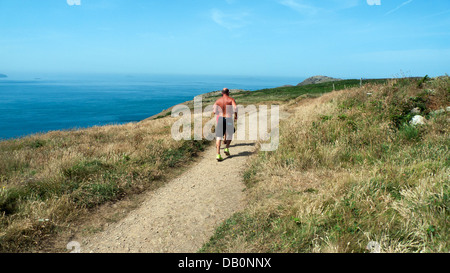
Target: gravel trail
pixel 182 215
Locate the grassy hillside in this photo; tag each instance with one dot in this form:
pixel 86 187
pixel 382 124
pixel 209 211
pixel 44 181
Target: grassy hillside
pixel 49 182
pixel 350 169
pixel 285 94
pixel 52 182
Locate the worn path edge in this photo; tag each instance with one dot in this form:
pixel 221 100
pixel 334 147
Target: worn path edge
pixel 183 214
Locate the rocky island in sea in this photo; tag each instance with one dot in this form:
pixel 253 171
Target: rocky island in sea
pixel 3 76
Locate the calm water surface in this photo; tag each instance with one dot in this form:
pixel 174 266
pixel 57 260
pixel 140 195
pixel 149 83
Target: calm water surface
pixel 38 105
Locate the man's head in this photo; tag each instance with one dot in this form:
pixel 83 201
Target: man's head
pixel 225 91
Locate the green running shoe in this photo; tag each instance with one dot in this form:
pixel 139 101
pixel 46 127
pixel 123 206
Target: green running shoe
pixel 227 151
pixel 219 158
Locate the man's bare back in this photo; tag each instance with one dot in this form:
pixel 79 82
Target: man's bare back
pixel 225 106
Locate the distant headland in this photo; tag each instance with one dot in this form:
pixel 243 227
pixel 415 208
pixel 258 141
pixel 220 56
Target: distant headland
pixel 318 79
pixel 3 76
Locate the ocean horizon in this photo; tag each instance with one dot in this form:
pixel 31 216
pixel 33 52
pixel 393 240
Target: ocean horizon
pixel 31 104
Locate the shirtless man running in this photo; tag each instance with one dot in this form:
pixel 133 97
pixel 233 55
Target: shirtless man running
pixel 224 108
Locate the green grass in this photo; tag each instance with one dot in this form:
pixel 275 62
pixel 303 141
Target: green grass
pixel 164 115
pixel 285 94
pixel 350 170
pixel 63 176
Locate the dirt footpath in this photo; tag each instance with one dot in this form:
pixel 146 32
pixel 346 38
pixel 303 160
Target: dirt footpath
pixel 182 215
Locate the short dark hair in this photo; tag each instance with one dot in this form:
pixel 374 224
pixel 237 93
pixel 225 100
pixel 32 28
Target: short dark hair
pixel 225 91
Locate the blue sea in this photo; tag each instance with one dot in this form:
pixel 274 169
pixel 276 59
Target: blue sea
pixel 31 105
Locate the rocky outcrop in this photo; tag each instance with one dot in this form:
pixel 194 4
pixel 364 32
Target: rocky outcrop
pixel 440 111
pixel 318 79
pixel 420 120
pixel 417 120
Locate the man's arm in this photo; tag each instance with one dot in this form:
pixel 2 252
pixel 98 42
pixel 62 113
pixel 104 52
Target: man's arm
pixel 233 102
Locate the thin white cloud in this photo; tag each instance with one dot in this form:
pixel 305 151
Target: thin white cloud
pixel 311 8
pixel 399 7
pixel 300 6
pixel 229 20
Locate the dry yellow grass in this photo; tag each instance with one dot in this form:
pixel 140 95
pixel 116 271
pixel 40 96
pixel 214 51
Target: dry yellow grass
pixel 350 170
pixel 51 181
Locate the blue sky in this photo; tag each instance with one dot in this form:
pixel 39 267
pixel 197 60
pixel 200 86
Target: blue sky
pixel 339 38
